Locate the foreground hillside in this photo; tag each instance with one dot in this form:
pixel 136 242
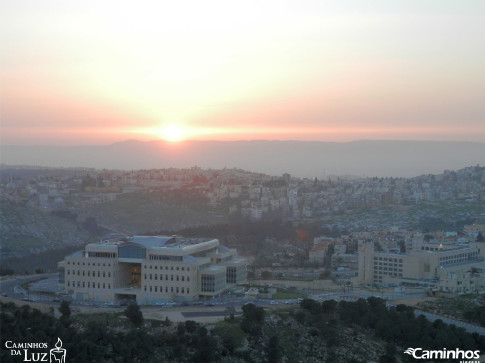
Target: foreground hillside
pixel 361 331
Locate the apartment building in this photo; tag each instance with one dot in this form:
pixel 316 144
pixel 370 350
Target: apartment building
pixel 151 269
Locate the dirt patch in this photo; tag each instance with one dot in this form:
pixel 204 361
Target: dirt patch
pixel 413 301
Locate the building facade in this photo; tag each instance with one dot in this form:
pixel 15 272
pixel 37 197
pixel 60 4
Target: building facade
pixel 151 269
pixel 429 263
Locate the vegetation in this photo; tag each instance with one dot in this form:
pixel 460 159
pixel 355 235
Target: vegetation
pixel 365 330
pixel 464 307
pixel 134 314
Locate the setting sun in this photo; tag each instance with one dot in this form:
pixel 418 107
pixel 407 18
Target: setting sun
pixel 173 133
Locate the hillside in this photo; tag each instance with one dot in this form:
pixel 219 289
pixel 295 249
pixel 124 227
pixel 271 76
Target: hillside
pixel 303 159
pixel 25 230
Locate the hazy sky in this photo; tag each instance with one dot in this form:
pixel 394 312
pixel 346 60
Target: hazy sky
pixel 96 72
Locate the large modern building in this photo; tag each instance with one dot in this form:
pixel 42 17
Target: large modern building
pixel 151 269
pixel 447 266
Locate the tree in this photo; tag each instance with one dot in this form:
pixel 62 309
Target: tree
pixel 65 309
pixel 274 349
pixel 134 314
pixel 266 275
pixel 480 237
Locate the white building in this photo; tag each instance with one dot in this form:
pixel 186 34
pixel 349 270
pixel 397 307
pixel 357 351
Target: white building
pixel 151 269
pixel 427 262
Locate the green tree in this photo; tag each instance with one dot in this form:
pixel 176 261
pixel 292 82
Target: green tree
pixel 134 314
pixel 274 349
pixel 65 309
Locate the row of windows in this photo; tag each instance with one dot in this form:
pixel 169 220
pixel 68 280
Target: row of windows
pixel 89 264
pixel 177 268
pixel 450 262
pixel 103 273
pixel 165 258
pixel 176 289
pixel 177 277
pixel 389 259
pixel 102 254
pixel 89 285
pixel 387 269
pixel 387 264
pixel 385 273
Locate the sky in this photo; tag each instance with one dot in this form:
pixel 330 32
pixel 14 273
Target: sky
pixel 97 72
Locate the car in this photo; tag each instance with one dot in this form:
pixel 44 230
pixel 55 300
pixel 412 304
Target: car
pixel 274 303
pixel 4 294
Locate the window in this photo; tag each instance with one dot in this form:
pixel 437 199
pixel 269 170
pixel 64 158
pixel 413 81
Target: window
pixel 231 275
pixel 207 283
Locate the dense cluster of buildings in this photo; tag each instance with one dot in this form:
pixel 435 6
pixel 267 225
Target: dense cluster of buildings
pixel 251 195
pixel 448 262
pixel 151 269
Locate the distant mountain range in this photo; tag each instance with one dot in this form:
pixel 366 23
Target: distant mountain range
pixel 299 158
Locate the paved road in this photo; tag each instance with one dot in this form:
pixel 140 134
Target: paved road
pixel 461 324
pixel 12 287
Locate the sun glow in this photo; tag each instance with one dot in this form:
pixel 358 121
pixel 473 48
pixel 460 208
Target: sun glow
pixel 173 133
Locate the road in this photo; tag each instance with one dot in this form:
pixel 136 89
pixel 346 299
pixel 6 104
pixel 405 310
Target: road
pixel 217 307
